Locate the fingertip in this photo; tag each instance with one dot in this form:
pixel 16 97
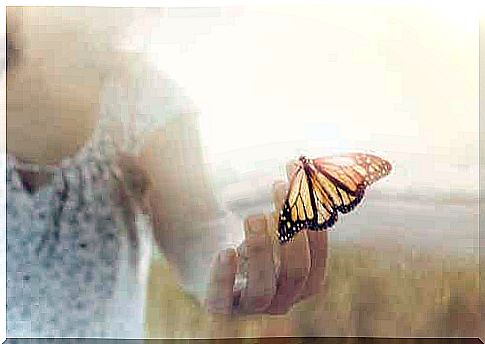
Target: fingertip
pixel 277 184
pixel 290 168
pixel 227 256
pixel 255 225
pixel 221 258
pixel 279 187
pixel 279 193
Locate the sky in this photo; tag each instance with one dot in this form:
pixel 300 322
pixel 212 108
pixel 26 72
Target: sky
pixel 276 81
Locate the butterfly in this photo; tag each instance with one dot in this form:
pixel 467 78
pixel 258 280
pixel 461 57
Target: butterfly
pixel 320 188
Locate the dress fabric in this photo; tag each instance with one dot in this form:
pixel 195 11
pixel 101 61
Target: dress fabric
pixel 69 272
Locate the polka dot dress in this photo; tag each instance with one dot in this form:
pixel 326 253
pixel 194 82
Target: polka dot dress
pixel 68 267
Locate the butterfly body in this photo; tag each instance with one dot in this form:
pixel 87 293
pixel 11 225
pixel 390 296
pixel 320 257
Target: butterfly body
pixel 320 188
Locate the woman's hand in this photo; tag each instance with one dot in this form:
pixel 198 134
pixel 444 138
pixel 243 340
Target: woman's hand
pixel 300 265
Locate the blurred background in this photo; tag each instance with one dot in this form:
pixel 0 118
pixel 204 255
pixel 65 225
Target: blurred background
pixel 278 81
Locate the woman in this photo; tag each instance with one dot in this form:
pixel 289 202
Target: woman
pixel 103 156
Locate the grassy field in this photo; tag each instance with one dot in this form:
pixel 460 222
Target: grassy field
pixel 396 292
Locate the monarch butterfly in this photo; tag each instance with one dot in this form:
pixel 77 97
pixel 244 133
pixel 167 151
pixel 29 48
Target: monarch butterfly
pixel 320 188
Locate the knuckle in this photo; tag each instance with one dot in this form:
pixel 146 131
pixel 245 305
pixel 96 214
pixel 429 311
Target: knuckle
pixel 259 303
pixel 315 289
pixel 279 187
pixel 310 292
pixel 257 245
pixel 217 306
pixel 221 277
pixel 279 310
pixel 307 294
pixel 298 281
pixel 299 276
pixel 256 223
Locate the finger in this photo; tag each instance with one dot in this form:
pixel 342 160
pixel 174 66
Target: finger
pixel 261 281
pixel 318 243
pixel 220 293
pixel 293 273
pixel 280 190
pixel 291 168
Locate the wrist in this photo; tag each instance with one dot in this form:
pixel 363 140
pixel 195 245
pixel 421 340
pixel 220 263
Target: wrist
pixel 204 242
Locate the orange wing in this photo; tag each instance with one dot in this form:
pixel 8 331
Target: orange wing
pixel 298 211
pixel 348 176
pixel 354 170
pixel 321 187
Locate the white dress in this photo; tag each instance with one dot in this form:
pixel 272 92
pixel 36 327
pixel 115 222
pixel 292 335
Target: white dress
pixel 69 271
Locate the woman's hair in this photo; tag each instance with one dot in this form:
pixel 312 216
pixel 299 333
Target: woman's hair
pixel 87 37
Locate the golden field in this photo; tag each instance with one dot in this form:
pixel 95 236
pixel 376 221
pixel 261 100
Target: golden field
pixel 391 292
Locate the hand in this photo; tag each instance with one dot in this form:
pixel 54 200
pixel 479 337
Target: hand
pixel 276 279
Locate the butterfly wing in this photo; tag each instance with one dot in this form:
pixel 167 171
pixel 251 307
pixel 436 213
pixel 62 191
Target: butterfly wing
pixel 294 215
pixel 321 187
pixel 304 207
pixel 354 169
pixel 345 177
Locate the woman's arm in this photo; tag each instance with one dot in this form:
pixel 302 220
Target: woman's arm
pixel 190 230
pixel 188 226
